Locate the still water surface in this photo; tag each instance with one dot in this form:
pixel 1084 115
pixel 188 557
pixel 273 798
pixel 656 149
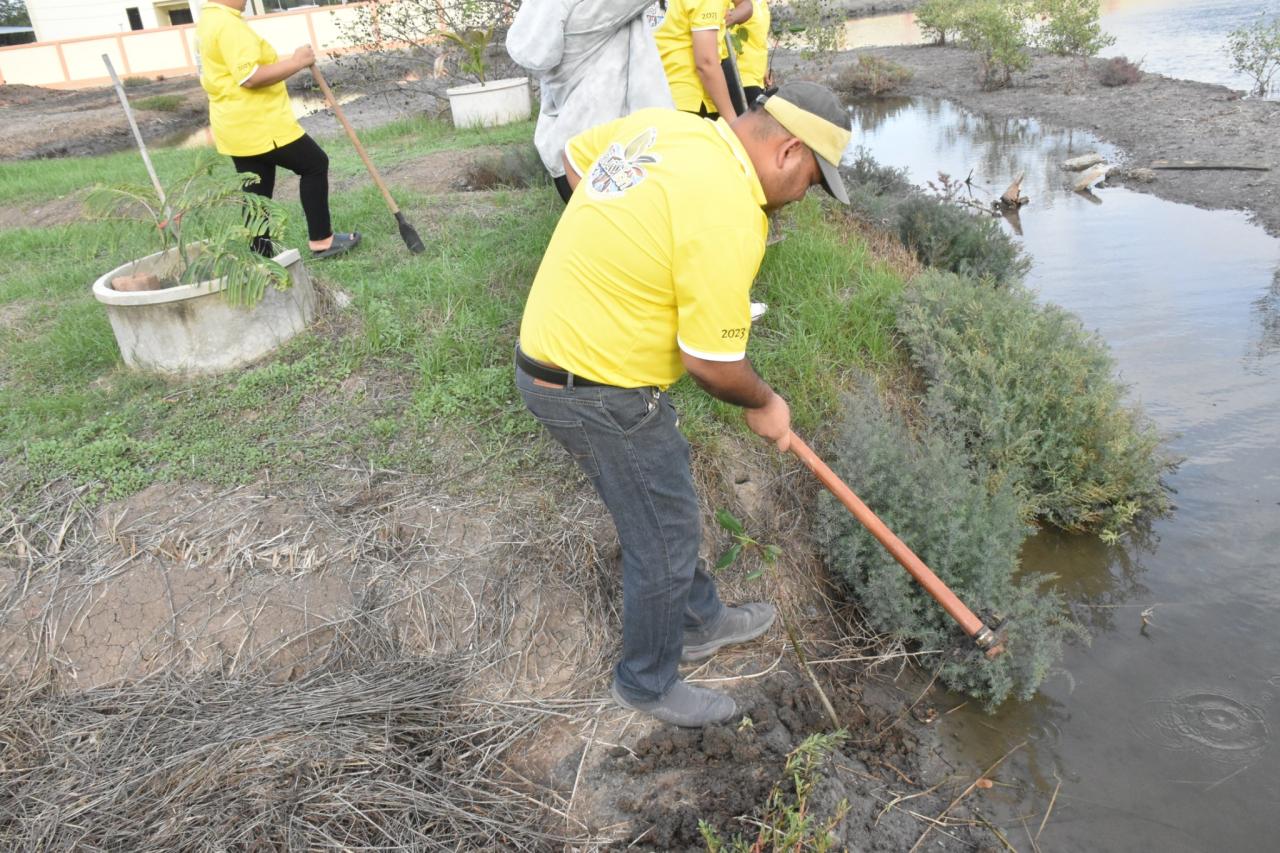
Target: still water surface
pixel 1166 738
pixel 1177 38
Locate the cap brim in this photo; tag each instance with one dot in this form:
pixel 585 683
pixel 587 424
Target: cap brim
pixel 831 180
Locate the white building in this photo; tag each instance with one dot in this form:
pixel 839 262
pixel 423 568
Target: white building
pixel 67 19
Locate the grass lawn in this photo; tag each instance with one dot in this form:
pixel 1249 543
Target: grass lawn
pixel 417 369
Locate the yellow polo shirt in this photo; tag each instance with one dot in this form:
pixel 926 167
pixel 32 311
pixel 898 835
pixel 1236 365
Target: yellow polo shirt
pixel 245 121
pixel 674 37
pixel 753 61
pixel 654 254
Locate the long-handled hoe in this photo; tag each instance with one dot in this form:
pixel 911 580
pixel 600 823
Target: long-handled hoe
pixel 988 639
pixel 407 233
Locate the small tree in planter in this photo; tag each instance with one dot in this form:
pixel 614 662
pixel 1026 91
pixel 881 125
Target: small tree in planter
pixel 206 225
pixel 404 36
pixel 207 302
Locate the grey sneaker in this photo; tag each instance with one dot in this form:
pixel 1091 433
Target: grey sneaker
pixel 742 623
pixel 685 705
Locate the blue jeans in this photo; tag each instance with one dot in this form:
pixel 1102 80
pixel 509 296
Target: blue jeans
pixel 626 441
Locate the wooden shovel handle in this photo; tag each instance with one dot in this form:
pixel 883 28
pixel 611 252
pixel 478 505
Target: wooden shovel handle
pixel 355 140
pixel 970 623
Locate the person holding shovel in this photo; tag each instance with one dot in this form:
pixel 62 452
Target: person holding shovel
pixel 646 277
pixel 689 38
pixel 253 122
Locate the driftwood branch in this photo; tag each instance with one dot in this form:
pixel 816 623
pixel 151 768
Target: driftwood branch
pixel 1202 166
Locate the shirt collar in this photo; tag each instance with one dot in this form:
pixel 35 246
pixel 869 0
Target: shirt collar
pixel 735 145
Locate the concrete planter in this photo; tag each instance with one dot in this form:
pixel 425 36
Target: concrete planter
pixel 191 329
pixel 491 104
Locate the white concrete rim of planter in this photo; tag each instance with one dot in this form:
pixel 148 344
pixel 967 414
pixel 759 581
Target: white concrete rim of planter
pixel 491 86
pixel 107 295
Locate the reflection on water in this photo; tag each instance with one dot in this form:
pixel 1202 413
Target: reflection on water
pixel 1182 38
pixel 1162 730
pixel 1177 38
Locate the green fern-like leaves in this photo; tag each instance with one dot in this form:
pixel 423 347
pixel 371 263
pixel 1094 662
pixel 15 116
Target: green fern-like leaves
pixel 922 487
pixel 1035 398
pixel 211 222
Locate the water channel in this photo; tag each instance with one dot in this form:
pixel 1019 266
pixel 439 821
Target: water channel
pixel 1177 38
pixel 1164 736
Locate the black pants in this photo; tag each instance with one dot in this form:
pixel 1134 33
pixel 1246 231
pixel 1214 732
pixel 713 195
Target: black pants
pixel 306 159
pixel 562 187
pixel 753 92
pixel 703 112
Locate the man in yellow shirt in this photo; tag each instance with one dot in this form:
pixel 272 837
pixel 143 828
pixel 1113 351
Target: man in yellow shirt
pixel 688 38
pixel 647 276
pixel 253 122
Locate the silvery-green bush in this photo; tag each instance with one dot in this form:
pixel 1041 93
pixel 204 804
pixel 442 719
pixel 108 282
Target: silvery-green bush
pixel 1035 397
pixel 921 485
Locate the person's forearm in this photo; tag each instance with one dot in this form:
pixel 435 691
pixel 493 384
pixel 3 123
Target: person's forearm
pixel 266 75
pixel 740 13
pixel 712 77
pixel 733 382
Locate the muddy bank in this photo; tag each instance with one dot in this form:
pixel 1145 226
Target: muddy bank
pixel 1156 118
pixel 267 582
pixel 42 122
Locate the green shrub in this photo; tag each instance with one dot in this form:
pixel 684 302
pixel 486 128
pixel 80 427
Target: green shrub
pixel 941 234
pixel 517 167
pixel 1255 52
pixel 134 82
pixel 938 19
pixel 1071 27
pixel 1034 396
pixel 950 238
pixel 160 103
pixel 872 75
pixel 813 27
pixel 876 190
pixel 999 31
pixel 922 488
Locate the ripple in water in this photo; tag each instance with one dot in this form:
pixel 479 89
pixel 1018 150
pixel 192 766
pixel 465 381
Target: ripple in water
pixel 1210 723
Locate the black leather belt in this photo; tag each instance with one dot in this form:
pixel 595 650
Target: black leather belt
pixel 553 375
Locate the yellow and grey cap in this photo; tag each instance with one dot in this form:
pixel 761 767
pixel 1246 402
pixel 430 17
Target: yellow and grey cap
pixel 813 114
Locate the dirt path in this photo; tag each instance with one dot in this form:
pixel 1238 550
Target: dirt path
pixel 67 123
pixel 1155 118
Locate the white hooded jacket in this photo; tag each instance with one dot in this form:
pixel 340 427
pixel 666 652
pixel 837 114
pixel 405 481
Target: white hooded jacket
pixel 596 61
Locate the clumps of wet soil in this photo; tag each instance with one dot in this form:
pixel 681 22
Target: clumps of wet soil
pixel 673 779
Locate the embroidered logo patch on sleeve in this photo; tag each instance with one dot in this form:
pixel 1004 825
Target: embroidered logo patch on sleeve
pixel 618 169
pixel 654 15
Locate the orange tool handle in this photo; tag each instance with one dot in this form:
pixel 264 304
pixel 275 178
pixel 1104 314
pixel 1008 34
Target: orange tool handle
pixel 351 133
pixel 972 625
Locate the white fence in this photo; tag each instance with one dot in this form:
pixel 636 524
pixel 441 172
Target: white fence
pixel 167 51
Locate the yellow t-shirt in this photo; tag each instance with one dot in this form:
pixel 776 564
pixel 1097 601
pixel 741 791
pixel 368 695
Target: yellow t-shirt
pixel 674 37
pixel 244 121
pixel 753 61
pixel 654 254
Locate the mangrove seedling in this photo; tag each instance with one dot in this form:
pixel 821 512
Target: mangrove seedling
pixel 209 222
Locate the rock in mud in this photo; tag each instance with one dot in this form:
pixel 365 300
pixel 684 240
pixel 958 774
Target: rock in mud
pixel 1084 161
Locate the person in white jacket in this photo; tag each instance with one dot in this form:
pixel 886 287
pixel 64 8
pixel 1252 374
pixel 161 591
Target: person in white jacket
pixel 596 62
